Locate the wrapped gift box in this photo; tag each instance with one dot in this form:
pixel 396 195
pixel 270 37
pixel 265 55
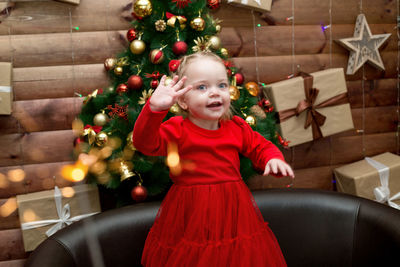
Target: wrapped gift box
pixel 361 178
pixel 40 217
pixel 330 103
pixel 6 95
pixel 75 2
pixel 259 5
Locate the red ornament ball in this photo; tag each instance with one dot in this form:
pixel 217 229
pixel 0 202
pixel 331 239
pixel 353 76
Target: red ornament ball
pixel 122 88
pixel 139 193
pixel 239 78
pixel 154 84
pixel 180 48
pixel 173 65
pixel 156 56
pixel 135 82
pixel 213 4
pixel 131 35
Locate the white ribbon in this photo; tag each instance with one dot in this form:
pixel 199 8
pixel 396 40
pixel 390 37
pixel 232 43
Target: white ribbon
pixel 63 217
pixel 5 89
pixel 382 193
pixel 245 2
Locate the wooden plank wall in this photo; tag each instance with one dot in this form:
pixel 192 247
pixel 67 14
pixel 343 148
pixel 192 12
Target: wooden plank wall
pixel 53 60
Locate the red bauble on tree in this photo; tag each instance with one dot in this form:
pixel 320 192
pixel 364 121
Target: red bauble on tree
pixel 154 84
pixel 239 79
pixel 131 35
pixel 139 193
pixel 180 48
pixel 156 56
pixel 213 4
pixel 135 82
pixel 122 88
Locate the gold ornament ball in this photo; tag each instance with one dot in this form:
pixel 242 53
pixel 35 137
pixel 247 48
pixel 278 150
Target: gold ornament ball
pixel 234 92
pixel 118 70
pixel 215 42
pixel 101 139
pixel 109 63
pixel 198 24
pixel 224 52
pixel 174 109
pixel 129 141
pixel 142 8
pixel 251 120
pixel 137 47
pixel 252 88
pixel 218 28
pixel 100 119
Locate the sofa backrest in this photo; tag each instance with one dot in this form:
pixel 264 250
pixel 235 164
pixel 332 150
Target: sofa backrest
pixel 313 228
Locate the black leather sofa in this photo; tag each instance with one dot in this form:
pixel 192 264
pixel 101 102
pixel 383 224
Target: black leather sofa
pixel 314 228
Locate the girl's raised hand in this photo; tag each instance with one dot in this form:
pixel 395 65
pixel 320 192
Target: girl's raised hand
pixel 277 166
pixel 166 95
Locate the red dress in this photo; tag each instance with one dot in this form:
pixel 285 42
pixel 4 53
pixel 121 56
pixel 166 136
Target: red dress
pixel 209 217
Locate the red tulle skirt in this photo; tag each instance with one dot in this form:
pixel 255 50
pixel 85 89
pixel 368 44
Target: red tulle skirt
pixel 211 225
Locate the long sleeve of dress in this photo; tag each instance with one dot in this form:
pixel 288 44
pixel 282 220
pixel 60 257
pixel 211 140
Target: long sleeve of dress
pixel 151 135
pixel 258 149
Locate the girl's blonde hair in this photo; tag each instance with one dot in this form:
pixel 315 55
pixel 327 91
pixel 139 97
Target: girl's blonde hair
pixel 185 61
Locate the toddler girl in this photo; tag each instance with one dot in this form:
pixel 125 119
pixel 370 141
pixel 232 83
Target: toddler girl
pixel 209 217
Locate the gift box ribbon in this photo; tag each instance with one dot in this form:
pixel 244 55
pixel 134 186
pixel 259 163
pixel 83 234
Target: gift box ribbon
pixel 5 89
pixel 245 2
pixel 382 193
pixel 313 118
pixel 63 217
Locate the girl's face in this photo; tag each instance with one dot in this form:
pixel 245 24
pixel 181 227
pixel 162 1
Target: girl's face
pixel 209 99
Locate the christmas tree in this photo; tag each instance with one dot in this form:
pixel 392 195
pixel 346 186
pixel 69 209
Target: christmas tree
pixel 162 32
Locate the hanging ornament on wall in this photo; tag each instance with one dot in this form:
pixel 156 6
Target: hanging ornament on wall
pixel 215 42
pixel 160 25
pixel 100 119
pixel 131 35
pixel 252 88
pixel 363 46
pixel 125 170
pixel 179 48
pixel 139 193
pixel 142 8
pixel 110 63
pixel 135 82
pixel 198 24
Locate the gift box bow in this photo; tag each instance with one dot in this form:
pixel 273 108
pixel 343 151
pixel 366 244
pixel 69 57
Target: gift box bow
pixel 382 193
pixel 313 118
pixel 63 220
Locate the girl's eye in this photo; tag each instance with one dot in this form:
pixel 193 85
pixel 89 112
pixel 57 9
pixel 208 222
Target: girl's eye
pixel 201 87
pixel 223 85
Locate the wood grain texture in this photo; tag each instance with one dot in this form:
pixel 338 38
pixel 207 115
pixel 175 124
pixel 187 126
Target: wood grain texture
pixel 11 245
pixel 38 177
pixel 37 147
pixel 94 15
pixel 13 263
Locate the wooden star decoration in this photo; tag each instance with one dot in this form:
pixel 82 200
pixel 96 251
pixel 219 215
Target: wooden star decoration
pixel 363 46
